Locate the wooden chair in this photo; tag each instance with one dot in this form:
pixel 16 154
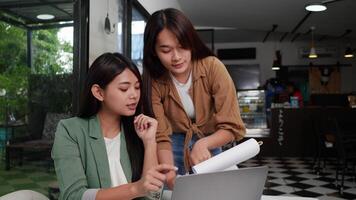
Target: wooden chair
pixel 41 147
pixel 346 148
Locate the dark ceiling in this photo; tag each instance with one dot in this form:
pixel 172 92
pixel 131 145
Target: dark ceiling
pixel 252 20
pixel 23 13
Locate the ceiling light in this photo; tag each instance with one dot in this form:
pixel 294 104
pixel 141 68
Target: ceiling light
pixel 276 68
pixel 312 53
pixel 315 7
pixel 348 53
pixel 275 65
pixel 277 61
pixel 45 16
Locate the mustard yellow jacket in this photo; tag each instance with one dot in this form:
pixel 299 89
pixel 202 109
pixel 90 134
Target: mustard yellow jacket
pixel 214 98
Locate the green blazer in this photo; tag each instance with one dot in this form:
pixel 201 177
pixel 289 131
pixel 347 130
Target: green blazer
pixel 80 157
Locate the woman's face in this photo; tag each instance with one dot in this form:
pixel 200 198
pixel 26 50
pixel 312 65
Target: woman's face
pixel 122 94
pixel 171 54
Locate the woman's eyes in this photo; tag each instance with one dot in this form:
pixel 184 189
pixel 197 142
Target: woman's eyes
pixel 169 50
pixel 126 89
pixel 166 50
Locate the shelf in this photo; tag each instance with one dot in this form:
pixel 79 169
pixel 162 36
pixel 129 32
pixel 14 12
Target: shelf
pixel 253 113
pixel 257 133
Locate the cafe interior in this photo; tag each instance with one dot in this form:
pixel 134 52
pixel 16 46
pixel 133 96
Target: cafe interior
pixel 292 62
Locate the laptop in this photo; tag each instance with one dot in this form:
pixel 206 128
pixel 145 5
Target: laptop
pixel 244 184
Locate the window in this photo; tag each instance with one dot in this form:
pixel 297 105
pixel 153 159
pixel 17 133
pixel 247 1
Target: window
pixel 120 25
pixel 52 51
pixel 138 24
pixel 37 65
pixel 245 76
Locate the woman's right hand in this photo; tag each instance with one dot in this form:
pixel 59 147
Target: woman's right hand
pixel 146 128
pixel 153 180
pixel 171 179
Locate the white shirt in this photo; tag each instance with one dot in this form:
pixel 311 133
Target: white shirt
pixel 185 98
pixel 113 150
pixel 117 174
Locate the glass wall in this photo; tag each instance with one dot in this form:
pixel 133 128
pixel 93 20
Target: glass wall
pixel 47 82
pixel 36 87
pixel 138 24
pixel 13 73
pixel 120 24
pixel 50 80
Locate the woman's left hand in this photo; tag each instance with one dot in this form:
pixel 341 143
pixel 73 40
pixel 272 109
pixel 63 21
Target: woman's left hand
pixel 146 128
pixel 200 152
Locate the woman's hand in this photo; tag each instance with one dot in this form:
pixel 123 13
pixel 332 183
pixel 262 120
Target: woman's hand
pixel 200 152
pixel 171 179
pixel 153 180
pixel 146 128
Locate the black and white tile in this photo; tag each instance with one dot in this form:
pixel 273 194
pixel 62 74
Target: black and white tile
pixel 292 176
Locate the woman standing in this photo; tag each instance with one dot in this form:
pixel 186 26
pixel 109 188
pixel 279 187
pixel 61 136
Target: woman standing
pixel 109 150
pixel 189 92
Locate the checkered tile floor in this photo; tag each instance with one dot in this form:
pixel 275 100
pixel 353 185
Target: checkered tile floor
pixel 296 177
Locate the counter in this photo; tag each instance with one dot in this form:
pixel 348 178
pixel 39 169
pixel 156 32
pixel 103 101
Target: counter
pixel 292 131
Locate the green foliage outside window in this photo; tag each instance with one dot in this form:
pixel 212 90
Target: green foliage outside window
pixel 49 58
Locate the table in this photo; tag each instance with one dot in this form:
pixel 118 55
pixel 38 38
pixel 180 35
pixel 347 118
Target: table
pixel 167 196
pixel 7 132
pixel 9 128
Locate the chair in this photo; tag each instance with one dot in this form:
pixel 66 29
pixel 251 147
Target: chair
pixel 41 146
pixel 24 195
pixel 346 148
pixel 3 139
pixel 324 133
pixel 53 190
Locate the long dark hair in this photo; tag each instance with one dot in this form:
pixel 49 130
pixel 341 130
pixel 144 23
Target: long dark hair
pixel 103 70
pixel 176 22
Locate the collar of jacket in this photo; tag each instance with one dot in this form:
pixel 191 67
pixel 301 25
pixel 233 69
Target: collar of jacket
pixel 101 158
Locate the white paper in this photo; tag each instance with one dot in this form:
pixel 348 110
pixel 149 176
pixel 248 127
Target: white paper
pixel 228 159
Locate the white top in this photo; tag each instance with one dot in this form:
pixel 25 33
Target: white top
pixel 113 150
pixel 186 99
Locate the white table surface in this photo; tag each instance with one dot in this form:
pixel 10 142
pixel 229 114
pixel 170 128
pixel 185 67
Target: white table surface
pixel 167 196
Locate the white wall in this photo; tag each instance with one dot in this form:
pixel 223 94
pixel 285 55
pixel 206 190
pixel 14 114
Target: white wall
pixel 289 51
pixel 154 5
pixel 99 41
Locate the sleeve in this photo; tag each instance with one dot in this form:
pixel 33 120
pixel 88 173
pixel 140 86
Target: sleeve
pixel 90 194
pixel 68 165
pixel 164 128
pixel 225 100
